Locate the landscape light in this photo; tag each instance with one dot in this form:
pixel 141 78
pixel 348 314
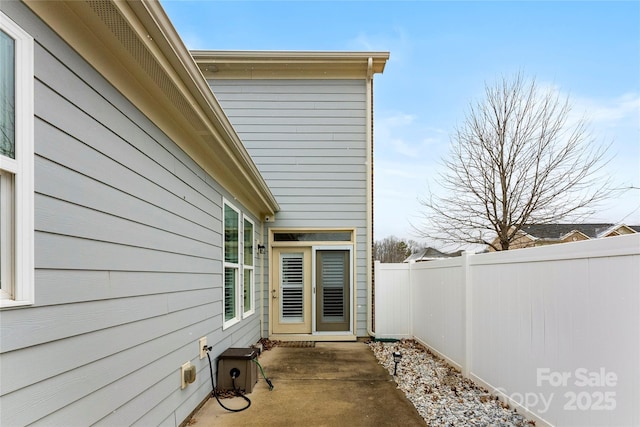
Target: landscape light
pixel 396 359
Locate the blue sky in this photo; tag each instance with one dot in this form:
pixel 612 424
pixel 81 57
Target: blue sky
pixel 442 54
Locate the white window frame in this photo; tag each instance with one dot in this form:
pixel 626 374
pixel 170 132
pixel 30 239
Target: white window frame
pixel 240 268
pixel 231 265
pixel 249 269
pixel 16 181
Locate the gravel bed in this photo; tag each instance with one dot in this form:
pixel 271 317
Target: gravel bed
pixel 442 396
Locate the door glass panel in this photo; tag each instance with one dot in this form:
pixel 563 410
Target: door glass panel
pixel 292 288
pixel 333 287
pixel 333 284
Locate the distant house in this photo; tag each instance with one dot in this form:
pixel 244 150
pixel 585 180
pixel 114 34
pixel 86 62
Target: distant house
pixel 551 234
pixel 139 214
pixel 430 254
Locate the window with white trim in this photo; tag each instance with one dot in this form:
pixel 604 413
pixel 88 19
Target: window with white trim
pixel 16 165
pixel 248 301
pixel 238 265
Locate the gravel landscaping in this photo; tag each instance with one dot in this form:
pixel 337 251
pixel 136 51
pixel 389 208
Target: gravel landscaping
pixel 442 396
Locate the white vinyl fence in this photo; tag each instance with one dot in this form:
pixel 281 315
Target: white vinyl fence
pixel 555 330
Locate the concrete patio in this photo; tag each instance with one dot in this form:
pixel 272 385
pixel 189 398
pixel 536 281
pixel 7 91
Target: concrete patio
pixel 331 384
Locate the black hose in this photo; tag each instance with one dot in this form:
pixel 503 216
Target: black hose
pixel 215 393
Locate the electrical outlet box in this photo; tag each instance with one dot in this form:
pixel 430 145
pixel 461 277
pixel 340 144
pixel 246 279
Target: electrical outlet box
pixel 187 374
pixel 202 343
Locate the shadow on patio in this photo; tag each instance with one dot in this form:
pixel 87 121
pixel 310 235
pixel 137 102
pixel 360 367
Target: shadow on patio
pixel 331 384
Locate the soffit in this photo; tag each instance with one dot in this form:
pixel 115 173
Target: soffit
pixel 289 64
pixel 135 47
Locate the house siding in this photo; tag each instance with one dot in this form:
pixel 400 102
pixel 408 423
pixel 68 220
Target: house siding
pixel 128 249
pixel 308 139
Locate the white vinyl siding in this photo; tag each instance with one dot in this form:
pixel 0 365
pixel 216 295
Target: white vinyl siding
pixel 16 165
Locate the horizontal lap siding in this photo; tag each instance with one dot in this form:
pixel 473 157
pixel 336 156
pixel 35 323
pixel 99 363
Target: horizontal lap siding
pixel 127 255
pixel 308 139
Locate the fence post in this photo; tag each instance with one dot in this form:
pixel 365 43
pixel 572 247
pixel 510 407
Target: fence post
pixel 412 303
pixel 468 295
pixel 371 308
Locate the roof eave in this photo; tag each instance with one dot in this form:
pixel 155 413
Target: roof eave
pixel 282 64
pixel 210 105
pixel 200 126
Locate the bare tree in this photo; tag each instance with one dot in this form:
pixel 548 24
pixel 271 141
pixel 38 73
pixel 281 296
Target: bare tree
pixel 392 249
pixel 517 159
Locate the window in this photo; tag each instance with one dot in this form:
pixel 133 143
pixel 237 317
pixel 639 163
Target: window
pixel 16 165
pixel 323 236
pixel 238 266
pixel 231 264
pixel 248 290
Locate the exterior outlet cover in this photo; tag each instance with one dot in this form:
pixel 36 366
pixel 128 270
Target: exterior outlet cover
pixel 187 374
pixel 202 343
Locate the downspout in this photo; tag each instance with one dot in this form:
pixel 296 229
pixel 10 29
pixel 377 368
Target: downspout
pixel 369 185
pixel 262 281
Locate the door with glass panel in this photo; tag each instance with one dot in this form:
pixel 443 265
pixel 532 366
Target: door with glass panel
pixel 291 291
pixel 332 295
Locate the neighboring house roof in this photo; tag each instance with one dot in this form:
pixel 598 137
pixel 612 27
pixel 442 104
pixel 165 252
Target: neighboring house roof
pixel 559 231
pixel 617 230
pixel 136 48
pixel 430 254
pixel 546 234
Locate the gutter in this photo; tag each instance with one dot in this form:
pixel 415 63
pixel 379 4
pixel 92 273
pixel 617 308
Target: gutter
pixel 116 37
pixel 206 100
pixel 369 186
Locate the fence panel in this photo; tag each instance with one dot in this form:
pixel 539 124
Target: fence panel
pixel 392 301
pixel 555 330
pixel 438 307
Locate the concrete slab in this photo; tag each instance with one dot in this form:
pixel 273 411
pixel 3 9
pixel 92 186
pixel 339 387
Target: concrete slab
pixel 331 384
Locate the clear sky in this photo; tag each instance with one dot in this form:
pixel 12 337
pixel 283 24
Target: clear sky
pixel 442 54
